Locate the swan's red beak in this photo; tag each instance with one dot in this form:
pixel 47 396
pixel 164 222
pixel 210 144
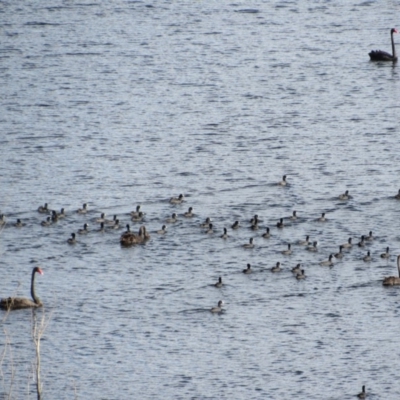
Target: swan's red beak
pixel 40 271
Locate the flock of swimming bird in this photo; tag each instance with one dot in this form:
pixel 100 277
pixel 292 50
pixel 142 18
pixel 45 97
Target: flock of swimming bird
pixel 129 238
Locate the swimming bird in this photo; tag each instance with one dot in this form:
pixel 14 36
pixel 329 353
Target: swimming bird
pixel 280 224
pixel 300 275
pixel 386 254
pixel 296 269
pixel 172 219
pixel 111 221
pixel 235 225
pixel 397 197
pixel 16 303
pixel 218 309
pixel 322 218
pixel 83 231
pixel 328 262
pixel 205 223
pixel 43 209
pixel 344 196
pixel 313 247
pixel 367 257
pixel 61 214
pixel 46 222
pixel 115 225
pixel 225 234
pixel 254 223
pixel 136 212
pixel 294 215
pixel 144 234
pixel 266 234
pixel 54 216
pixel 288 251
pixel 305 242
pixel 219 283
pixel 138 218
pixel 176 200
pixel 254 219
pixel 361 243
pixel 102 228
pixel 2 220
pixel 210 229
pixel 283 181
pixel 248 270
pixel 254 227
pixel 277 267
pixel 393 280
pixel 363 394
pixel 72 239
pixel 163 230
pixel 379 55
pixel 249 245
pixel 347 245
pixel 129 238
pixel 189 213
pixel 82 210
pixel 102 218
pixel 19 223
pixel 340 254
pixel 370 237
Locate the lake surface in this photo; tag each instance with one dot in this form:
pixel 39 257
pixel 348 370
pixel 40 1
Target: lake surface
pixel 131 103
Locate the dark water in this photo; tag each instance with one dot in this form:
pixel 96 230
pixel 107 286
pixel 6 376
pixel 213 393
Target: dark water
pixel 134 102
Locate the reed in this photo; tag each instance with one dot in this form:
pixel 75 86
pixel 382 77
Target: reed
pixel 6 358
pixel 7 365
pixel 38 328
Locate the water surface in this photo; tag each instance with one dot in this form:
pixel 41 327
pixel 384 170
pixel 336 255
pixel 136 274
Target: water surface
pixel 132 103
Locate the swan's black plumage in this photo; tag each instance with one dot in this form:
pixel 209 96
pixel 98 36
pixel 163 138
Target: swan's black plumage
pixel 16 303
pixel 379 55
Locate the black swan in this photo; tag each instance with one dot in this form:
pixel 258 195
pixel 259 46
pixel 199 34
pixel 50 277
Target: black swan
pixel 393 280
pixel 16 303
pixel 379 55
pixel 129 238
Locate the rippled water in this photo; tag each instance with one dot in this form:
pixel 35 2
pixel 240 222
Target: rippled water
pixel 134 102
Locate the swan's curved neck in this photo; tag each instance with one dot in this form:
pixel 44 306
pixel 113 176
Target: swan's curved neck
pixel 33 294
pixel 398 264
pixel 393 47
